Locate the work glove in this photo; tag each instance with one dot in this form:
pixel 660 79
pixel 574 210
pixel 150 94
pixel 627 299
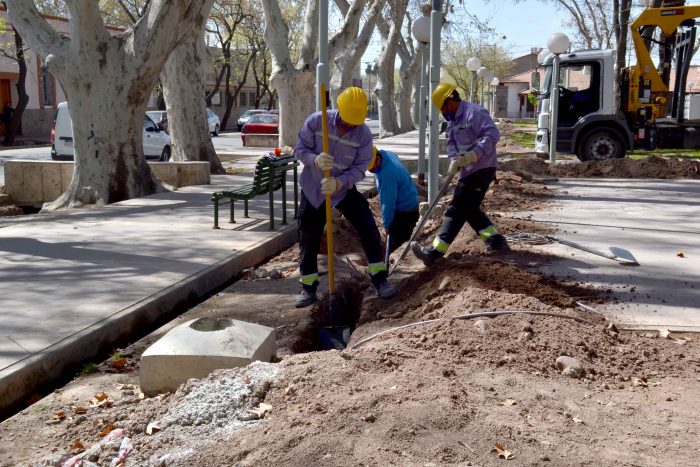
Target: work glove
pixel 330 185
pixel 465 158
pixel 324 161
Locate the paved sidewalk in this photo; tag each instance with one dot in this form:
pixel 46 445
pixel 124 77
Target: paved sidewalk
pixel 74 284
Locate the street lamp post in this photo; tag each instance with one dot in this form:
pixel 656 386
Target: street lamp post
pixel 481 73
pixel 558 43
pixel 473 64
pixel 421 31
pixel 494 83
pixel 433 156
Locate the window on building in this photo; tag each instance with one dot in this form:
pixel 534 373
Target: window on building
pixel 47 87
pixel 251 98
pixel 243 97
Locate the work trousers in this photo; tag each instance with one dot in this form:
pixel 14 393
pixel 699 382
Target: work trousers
pixel 401 228
pixel 312 220
pixel 466 205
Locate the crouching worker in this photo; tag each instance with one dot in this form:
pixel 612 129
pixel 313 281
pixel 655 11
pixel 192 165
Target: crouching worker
pixel 397 195
pixel 350 143
pixel 471 145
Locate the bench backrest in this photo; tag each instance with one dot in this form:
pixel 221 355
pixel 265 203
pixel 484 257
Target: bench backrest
pixel 272 171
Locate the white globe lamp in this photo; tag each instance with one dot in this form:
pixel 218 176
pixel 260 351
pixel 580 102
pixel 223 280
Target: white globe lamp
pixel 558 43
pixel 473 64
pixel 421 29
pixel 542 56
pixel 495 81
pixel 482 71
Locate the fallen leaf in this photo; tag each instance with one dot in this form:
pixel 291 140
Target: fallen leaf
pixel 664 333
pixel 640 382
pixel 106 430
pixel 119 364
pixel 509 402
pixel 290 390
pixel 126 387
pixel 152 428
pixel 59 415
pixel 577 420
pixel 76 447
pixel 502 452
pixel 680 254
pixel 101 396
pixel 79 410
pixel 260 410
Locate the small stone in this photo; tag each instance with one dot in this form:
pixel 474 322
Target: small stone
pixel 481 324
pixel 526 327
pixel 369 418
pixel 669 399
pixel 570 367
pixel 524 335
pixel 445 284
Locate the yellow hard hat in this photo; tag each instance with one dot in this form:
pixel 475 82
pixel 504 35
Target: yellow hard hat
pixel 352 106
pixel 442 92
pixel 373 162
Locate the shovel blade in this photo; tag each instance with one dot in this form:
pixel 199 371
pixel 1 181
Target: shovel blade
pixel 624 256
pixel 336 337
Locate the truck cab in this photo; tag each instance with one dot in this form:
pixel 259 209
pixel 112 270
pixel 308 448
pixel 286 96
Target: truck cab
pixel 588 122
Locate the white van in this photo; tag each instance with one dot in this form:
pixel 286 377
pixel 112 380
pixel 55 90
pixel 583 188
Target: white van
pixel 156 143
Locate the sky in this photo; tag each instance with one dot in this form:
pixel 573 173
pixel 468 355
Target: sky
pixel 526 24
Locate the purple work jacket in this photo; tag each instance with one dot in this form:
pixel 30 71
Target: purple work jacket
pixel 473 130
pixel 352 152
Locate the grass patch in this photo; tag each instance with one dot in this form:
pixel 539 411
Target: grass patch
pixel 116 356
pixel 524 123
pixel 88 369
pixel 524 139
pixel 686 153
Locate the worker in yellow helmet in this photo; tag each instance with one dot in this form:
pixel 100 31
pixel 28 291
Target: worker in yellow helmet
pixel 350 151
pixel 471 145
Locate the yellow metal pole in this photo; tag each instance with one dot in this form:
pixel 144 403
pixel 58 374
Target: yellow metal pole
pixel 329 209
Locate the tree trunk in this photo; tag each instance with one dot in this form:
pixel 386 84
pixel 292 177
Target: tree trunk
pixel 23 98
pixel 183 90
pixel 296 101
pixel 109 163
pixel 107 79
pixel 408 72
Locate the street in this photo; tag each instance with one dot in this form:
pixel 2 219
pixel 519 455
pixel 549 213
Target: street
pixel 224 142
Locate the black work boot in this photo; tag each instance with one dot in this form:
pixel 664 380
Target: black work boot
pixel 384 289
pixel 307 296
pixel 497 242
pixel 426 254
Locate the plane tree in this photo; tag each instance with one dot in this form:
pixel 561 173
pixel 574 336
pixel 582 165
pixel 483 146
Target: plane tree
pixel 108 79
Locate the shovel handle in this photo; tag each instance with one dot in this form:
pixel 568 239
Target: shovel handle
pixel 329 208
pixel 450 175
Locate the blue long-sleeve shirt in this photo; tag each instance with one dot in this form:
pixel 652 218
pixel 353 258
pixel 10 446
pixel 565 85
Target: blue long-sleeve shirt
pixel 396 189
pixel 473 129
pixel 351 151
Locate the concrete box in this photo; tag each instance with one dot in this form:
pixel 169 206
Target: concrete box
pixel 196 348
pixel 261 140
pixel 33 183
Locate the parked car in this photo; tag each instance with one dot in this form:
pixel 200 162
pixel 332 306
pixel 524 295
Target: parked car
pixel 156 143
pixel 261 124
pixel 214 122
pixel 243 119
pixel 160 118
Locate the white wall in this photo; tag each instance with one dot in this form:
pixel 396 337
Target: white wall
pixel 514 99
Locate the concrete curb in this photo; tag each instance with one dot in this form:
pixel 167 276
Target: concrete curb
pixel 33 374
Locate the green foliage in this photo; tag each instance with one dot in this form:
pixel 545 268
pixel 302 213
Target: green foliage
pixel 88 369
pixel 680 153
pixel 116 356
pixel 532 99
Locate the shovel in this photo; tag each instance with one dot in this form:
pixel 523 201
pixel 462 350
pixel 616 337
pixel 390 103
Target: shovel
pixel 337 334
pixel 386 255
pixel 450 175
pixel 620 255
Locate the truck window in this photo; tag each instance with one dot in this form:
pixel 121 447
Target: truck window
pixel 579 91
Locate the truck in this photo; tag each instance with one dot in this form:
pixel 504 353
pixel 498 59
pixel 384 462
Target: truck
pixel 603 112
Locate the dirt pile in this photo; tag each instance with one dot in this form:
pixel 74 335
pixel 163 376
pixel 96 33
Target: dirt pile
pixel 649 167
pixel 450 392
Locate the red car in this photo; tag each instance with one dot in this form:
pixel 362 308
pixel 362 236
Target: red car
pixel 267 124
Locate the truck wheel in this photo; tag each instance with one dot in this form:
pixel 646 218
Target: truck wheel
pixel 165 155
pixel 600 145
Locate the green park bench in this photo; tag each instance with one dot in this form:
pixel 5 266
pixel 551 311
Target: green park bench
pixel 270 175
